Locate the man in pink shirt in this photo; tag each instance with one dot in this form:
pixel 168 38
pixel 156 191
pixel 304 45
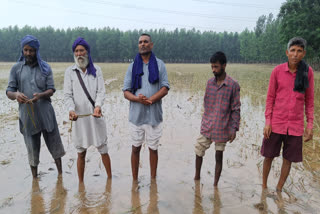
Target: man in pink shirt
pixel 291 90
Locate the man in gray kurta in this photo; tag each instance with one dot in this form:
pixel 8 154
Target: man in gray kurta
pixel 90 129
pixel 145 84
pixel 31 84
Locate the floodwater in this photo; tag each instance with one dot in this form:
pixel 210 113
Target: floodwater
pixel 174 190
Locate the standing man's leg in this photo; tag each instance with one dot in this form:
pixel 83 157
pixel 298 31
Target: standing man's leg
pixel 135 158
pixel 55 146
pixel 153 157
pixel 103 150
pixel 269 150
pixel 285 170
pixel 265 171
pixel 33 147
pixel 219 147
pixel 81 165
pixel 107 164
pixel 198 167
pixel 153 135
pixel 218 169
pixel 200 148
pixel 59 165
pixel 292 152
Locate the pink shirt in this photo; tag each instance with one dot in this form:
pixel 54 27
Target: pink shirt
pixel 285 107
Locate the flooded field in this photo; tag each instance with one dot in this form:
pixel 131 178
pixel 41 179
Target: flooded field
pixel 174 190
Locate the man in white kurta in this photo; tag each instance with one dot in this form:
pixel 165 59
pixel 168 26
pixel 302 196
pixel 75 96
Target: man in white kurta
pixel 89 127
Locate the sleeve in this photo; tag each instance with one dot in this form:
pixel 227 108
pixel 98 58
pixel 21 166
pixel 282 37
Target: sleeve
pixel 235 108
pixel 13 80
pixel 50 81
pixel 271 96
pixel 309 100
pixel 68 91
pixel 101 90
pixel 205 97
pixel 128 79
pixel 163 76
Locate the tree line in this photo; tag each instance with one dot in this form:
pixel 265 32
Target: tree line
pixel 265 44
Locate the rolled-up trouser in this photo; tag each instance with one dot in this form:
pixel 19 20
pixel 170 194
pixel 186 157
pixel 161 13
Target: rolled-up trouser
pixel 52 140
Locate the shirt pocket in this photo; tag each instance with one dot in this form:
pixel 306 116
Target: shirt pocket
pixel 41 81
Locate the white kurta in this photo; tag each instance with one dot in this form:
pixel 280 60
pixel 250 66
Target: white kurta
pixel 88 130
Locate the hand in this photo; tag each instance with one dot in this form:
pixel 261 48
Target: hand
pixel 267 131
pixel 308 134
pixel 21 98
pixel 144 100
pixel 232 137
pixel 36 97
pixel 73 116
pixel 97 112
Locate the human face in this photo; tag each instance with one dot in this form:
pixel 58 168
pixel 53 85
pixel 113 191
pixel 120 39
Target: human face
pixel 81 57
pixel 295 54
pixel 218 69
pixel 145 45
pixel 80 51
pixel 29 54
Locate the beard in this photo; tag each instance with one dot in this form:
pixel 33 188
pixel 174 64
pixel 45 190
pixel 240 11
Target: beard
pixel 219 73
pixel 81 61
pixel 30 59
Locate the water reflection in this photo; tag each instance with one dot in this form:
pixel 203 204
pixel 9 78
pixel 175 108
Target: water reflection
pixel 107 202
pixel 59 197
pixel 94 202
pixel 153 198
pixel 276 197
pixel 135 198
pixel 37 202
pixel 216 201
pixel 197 207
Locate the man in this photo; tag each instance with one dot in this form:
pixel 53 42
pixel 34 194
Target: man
pixel 290 91
pixel 90 129
pixel 145 84
pixel 221 117
pixel 31 84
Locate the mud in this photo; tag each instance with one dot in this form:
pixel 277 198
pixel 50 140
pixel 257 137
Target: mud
pixel 174 190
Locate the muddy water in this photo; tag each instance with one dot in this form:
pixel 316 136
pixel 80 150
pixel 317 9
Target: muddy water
pixel 174 191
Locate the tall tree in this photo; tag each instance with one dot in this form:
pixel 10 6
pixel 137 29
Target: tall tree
pixel 301 18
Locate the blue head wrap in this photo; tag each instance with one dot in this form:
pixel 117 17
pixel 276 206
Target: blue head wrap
pixel 80 41
pixel 34 43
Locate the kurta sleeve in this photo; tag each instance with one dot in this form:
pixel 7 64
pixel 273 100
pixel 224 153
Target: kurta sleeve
pixel 101 91
pixel 13 80
pixel 68 91
pixel 50 81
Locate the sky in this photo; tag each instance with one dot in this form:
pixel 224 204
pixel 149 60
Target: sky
pixel 203 15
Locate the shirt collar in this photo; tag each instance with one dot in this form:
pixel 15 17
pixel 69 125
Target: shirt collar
pixel 225 81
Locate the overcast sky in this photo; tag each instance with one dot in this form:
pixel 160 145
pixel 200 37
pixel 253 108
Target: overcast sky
pixel 204 15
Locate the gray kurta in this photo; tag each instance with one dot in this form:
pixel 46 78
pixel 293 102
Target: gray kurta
pixel 88 130
pixel 40 115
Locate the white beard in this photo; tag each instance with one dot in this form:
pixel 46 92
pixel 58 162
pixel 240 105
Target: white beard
pixel 81 61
